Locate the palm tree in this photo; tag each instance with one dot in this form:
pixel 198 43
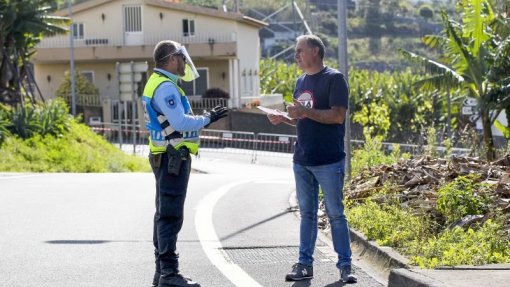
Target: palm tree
pixel 22 24
pixel 475 60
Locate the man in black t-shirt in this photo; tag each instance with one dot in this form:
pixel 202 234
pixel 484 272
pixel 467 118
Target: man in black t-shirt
pixel 321 100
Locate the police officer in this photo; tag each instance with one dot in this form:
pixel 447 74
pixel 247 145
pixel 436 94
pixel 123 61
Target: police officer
pixel 173 136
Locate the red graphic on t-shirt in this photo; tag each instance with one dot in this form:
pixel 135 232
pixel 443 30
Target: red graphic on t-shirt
pixel 306 99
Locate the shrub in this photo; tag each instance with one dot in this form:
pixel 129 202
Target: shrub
pixel 461 197
pixel 82 86
pixel 388 225
pixel 42 119
pixel 375 120
pixel 489 244
pixel 78 150
pixel 372 155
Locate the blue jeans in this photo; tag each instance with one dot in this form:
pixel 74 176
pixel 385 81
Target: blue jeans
pixel 331 179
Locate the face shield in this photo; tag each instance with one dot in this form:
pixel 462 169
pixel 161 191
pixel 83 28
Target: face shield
pixel 190 72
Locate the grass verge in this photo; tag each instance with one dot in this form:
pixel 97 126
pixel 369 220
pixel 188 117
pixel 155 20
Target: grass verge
pixel 78 150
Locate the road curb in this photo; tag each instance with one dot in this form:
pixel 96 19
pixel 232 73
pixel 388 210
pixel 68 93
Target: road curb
pixel 408 278
pixel 385 256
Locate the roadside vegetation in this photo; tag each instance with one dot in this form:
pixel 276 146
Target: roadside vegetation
pixel 436 208
pixel 460 218
pixel 44 138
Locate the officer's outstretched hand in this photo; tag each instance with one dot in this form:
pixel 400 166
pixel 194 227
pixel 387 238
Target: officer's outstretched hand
pixel 216 113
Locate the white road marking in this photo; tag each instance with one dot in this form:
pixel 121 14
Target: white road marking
pixel 210 242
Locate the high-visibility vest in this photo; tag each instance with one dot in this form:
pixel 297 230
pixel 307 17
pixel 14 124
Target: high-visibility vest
pixel 161 133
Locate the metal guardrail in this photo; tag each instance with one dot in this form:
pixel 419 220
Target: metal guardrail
pixel 248 144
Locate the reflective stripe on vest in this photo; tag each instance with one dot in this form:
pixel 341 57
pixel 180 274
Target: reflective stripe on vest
pixel 159 146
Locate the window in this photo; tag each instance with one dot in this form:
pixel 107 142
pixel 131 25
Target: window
pixel 89 75
pixel 188 27
pixel 198 86
pixel 133 18
pixel 78 30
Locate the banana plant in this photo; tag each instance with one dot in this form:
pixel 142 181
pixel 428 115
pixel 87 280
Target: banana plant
pixel 475 55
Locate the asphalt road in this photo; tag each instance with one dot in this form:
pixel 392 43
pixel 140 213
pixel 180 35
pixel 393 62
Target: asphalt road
pixel 96 229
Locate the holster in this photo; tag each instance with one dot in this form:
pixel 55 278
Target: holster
pixel 175 159
pixel 156 160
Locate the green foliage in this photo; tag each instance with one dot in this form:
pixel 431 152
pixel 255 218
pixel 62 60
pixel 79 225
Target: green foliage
pixel 432 144
pixel 389 225
pixel 78 150
pixel 372 155
pixel 489 244
pixel 475 60
pixel 502 128
pixel 4 123
pixel 375 120
pixel 409 109
pixel 278 77
pixel 205 3
pixel 43 119
pixel 405 108
pixel 23 23
pixel 83 86
pixel 463 196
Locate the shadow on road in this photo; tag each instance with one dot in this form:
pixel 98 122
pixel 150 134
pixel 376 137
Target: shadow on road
pixel 91 241
pixel 337 284
pixel 305 283
pixel 255 225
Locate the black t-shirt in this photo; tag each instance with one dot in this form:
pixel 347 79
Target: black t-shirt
pixel 317 143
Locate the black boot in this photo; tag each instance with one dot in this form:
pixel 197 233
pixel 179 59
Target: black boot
pixel 176 280
pixel 155 280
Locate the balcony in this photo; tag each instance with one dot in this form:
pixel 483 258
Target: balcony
pixel 84 100
pixel 133 47
pixel 149 39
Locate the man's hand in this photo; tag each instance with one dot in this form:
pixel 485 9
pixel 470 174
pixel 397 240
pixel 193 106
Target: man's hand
pixel 296 111
pixel 216 113
pixel 275 119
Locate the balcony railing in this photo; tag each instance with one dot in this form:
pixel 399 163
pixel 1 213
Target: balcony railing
pixel 145 39
pixel 199 104
pixel 84 100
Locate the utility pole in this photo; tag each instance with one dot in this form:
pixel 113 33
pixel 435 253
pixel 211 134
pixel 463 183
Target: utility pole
pixel 71 59
pixel 343 66
pixel 294 19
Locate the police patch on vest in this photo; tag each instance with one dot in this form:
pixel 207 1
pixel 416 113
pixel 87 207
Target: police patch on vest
pixel 171 102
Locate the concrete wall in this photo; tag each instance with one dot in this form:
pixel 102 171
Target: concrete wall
pixel 107 88
pixel 257 123
pixel 249 57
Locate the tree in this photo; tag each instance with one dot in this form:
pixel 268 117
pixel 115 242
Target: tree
pixel 475 60
pixel 204 3
pixel 83 86
pixel 426 12
pixel 23 23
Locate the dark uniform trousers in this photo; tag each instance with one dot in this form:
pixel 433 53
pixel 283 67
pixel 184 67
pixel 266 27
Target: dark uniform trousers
pixel 169 216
